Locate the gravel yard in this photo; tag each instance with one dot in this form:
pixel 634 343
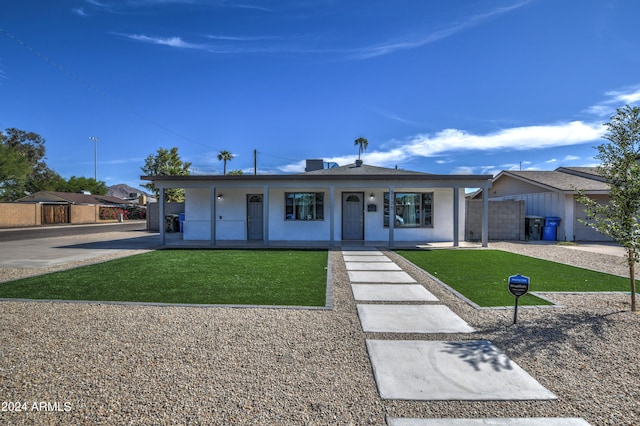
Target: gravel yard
pixel 112 364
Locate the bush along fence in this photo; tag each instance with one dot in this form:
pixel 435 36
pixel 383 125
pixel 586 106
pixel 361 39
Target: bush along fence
pixel 126 213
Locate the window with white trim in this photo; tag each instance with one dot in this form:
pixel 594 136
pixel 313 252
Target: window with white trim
pixel 304 206
pixel 412 210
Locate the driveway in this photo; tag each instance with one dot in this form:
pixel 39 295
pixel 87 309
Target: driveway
pixel 54 252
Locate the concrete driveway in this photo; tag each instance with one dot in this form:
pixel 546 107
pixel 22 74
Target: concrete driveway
pixel 36 253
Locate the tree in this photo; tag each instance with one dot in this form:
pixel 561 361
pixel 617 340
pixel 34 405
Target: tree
pixel 620 168
pixel 77 184
pixel 362 144
pixel 236 172
pixel 225 156
pixel 22 154
pixel 14 168
pixel 42 178
pixel 166 163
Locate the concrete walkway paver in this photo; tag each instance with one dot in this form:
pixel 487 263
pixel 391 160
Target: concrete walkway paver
pixel 387 277
pixel 363 252
pixel 462 370
pixel 372 266
pixel 367 258
pixel 411 319
pixel 392 293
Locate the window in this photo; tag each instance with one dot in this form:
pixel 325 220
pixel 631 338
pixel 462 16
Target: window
pixel 412 210
pixel 304 206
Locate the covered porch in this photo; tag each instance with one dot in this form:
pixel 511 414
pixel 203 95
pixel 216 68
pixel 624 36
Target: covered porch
pixel 349 205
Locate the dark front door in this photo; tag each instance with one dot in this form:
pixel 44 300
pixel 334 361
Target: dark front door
pixel 254 217
pixel 352 216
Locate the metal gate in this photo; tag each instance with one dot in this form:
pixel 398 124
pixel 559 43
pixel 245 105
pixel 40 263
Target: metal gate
pixel 55 213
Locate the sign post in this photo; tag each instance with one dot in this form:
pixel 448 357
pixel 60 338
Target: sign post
pixel 518 286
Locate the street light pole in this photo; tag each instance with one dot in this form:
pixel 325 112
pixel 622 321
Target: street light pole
pixel 95 157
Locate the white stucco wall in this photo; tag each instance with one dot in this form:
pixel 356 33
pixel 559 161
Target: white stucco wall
pixel 197 215
pixel 231 216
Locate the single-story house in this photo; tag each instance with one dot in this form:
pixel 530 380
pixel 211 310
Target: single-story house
pixel 80 198
pixel 553 194
pixel 69 207
pixel 356 202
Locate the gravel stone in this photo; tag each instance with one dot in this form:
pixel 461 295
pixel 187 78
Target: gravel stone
pixel 128 364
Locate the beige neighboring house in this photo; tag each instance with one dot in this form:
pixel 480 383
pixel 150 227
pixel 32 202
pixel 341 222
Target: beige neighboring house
pixel 69 207
pixel 553 194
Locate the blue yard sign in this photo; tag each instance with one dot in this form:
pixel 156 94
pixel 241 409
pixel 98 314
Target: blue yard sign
pixel 518 286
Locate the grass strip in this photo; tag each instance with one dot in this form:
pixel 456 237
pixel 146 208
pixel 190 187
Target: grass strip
pixel 254 277
pixel 482 275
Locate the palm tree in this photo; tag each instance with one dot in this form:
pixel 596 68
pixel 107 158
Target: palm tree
pixel 225 156
pixel 363 144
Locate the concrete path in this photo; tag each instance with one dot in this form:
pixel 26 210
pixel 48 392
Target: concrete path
pixel 431 370
pixel 392 293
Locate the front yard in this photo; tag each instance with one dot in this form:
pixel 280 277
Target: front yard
pixel 481 275
pixel 246 277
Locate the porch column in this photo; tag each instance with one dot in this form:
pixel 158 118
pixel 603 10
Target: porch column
pixel 456 216
pixel 332 207
pixel 392 215
pixel 265 215
pixel 485 216
pixel 161 223
pixel 212 201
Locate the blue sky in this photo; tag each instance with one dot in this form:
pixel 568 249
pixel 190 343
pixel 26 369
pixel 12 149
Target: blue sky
pixel 449 86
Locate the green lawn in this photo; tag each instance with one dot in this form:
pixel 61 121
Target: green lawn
pixel 260 277
pixel 481 275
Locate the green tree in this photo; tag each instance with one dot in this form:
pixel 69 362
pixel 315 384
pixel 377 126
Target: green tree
pixel 27 172
pixel 236 172
pixel 362 144
pixel 77 184
pixel 42 178
pixel 620 168
pixel 225 156
pixel 14 168
pixel 166 163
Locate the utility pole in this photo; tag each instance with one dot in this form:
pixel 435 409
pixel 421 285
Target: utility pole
pixel 255 162
pixel 95 157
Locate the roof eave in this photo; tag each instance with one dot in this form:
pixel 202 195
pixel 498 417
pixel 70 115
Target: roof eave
pixel 400 177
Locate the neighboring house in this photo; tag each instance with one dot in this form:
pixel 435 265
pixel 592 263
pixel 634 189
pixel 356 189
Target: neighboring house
pixel 84 198
pixel 65 207
pixel 325 205
pixel 552 194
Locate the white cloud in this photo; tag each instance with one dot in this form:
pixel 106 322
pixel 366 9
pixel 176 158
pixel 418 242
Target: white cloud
pixel 616 99
pixel 79 11
pixel 165 41
pixel 470 170
pixel 553 160
pixel 455 140
pixel 571 158
pixel 625 97
pixel 519 138
pixel 297 167
pixel 394 46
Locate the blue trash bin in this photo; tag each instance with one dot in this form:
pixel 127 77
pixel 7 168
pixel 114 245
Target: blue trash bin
pixel 181 219
pixel 552 221
pixel 549 233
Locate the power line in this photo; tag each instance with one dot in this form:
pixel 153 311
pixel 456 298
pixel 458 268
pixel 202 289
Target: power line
pixel 278 157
